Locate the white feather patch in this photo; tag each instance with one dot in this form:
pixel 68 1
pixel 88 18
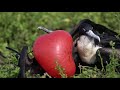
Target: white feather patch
pixel 87 49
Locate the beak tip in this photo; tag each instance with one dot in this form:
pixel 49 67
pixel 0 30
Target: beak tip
pixel 91 34
pixel 98 38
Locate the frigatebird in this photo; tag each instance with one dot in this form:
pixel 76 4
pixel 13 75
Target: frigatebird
pixel 26 63
pixel 92 40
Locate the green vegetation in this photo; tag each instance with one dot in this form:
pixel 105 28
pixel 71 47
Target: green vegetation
pixel 20 28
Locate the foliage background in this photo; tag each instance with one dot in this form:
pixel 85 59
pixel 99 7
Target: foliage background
pixel 20 28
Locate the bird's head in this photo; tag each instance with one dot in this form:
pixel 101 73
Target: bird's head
pixel 85 27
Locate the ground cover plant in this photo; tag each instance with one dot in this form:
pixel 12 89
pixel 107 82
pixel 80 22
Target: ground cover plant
pixel 18 29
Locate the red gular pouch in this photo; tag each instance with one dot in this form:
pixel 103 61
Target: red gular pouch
pixel 53 52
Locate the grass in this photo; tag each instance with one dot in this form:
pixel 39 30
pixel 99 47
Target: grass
pixel 20 28
pixel 60 70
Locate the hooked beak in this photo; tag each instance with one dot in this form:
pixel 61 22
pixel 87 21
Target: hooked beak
pixel 91 34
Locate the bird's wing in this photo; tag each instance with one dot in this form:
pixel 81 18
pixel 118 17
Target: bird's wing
pixel 22 61
pixel 106 35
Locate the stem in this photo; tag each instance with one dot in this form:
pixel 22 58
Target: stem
pixel 45 29
pixel 13 50
pixel 101 60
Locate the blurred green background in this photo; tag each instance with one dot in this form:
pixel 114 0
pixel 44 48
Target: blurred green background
pixel 20 28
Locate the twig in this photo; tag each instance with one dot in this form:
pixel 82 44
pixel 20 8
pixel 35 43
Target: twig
pixel 44 29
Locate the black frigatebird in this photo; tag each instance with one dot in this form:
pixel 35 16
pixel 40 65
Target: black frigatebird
pixel 90 40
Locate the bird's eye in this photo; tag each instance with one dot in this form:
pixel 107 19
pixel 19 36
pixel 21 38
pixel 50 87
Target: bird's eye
pixel 84 29
pixel 91 28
